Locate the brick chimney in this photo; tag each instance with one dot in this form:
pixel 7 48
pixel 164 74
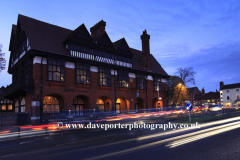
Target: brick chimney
pixel 146 51
pixel 221 84
pixel 203 91
pixel 98 28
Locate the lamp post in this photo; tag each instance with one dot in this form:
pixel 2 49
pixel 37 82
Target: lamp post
pixel 158 95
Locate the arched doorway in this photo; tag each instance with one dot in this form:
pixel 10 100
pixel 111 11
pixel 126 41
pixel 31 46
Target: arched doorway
pixel 100 105
pixel 139 105
pixel 122 105
pixel 157 104
pixel 78 106
pixel 103 104
pixel 51 104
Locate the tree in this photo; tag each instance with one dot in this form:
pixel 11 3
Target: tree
pixel 2 59
pixel 176 85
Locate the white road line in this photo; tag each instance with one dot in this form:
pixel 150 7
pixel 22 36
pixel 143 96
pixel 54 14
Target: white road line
pixel 7 155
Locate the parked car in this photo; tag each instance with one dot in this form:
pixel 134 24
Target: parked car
pixel 216 107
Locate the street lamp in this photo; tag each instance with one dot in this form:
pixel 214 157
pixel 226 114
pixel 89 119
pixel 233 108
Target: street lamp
pixel 159 98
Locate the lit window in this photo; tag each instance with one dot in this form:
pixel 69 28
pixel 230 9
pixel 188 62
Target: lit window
pixel 123 79
pixel 50 104
pixel 56 70
pixel 82 73
pixel 104 76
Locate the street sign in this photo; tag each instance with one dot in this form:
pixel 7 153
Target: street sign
pixel 189 106
pixel 137 94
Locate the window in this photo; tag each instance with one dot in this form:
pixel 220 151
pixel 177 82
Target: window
pixel 141 81
pixel 212 100
pixel 50 104
pixel 56 70
pixel 23 105
pixel 237 89
pixel 227 90
pixel 203 101
pixel 208 100
pixel 157 84
pixel 123 79
pixel 82 73
pixel 228 97
pixel 104 76
pixel 238 96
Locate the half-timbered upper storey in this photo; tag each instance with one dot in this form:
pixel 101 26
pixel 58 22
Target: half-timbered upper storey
pixel 37 36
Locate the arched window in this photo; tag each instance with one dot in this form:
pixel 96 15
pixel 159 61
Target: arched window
pixel 23 105
pixel 16 106
pixel 50 104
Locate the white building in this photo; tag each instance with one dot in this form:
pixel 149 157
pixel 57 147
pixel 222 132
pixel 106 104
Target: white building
pixel 230 94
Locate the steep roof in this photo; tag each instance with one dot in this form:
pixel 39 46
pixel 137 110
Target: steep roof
pixel 44 36
pixel 190 90
pixel 48 37
pixel 206 96
pixel 156 67
pixel 229 86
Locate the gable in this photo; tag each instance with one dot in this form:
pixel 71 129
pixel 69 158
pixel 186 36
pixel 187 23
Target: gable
pixel 124 47
pixel 104 39
pixel 79 34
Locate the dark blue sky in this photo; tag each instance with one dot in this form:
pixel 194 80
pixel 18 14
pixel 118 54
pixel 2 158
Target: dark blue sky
pixel 204 35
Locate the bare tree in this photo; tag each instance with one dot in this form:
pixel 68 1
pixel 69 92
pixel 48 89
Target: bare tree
pixel 2 59
pixel 177 92
pixel 186 75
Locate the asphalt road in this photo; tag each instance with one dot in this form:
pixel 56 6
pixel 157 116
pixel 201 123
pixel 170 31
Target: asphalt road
pixel 218 141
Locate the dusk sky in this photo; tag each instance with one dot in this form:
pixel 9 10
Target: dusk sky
pixel 204 35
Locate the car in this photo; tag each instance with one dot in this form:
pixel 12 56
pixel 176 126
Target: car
pixel 216 107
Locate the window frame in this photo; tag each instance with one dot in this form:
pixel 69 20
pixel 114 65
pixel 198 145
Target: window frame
pixel 141 79
pixel 104 74
pixel 85 69
pixel 57 64
pixel 123 76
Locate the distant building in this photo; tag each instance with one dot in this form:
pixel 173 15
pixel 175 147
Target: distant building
pixel 230 94
pixel 210 98
pixel 191 93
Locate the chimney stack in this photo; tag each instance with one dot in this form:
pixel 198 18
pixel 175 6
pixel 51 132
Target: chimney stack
pixel 221 84
pixel 146 51
pixel 203 91
pixel 98 28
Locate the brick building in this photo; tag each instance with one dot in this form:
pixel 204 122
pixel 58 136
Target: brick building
pixel 203 98
pixel 191 93
pixel 56 69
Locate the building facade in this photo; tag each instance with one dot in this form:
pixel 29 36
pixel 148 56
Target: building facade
pixel 56 69
pixel 203 98
pixel 191 93
pixel 230 94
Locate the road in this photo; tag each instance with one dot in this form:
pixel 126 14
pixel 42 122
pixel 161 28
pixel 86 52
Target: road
pixel 215 140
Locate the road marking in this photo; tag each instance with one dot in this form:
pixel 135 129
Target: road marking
pixel 157 143
pixel 7 155
pixel 26 142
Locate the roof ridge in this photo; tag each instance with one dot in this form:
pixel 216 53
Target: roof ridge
pixel 43 22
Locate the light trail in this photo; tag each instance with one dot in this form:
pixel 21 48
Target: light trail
pixel 185 129
pixel 233 125
pixel 198 137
